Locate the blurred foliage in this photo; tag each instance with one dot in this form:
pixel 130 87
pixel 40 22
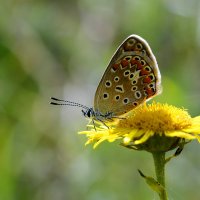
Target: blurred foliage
pixel 61 48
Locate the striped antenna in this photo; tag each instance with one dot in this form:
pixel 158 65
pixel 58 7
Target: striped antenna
pixel 61 102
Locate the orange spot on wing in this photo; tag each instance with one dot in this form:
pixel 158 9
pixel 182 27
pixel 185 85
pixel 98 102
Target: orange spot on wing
pixel 147 80
pixel 115 66
pixel 124 63
pixel 144 72
pixel 149 91
pixel 135 62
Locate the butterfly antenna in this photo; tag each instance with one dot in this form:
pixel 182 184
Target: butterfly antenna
pixel 62 102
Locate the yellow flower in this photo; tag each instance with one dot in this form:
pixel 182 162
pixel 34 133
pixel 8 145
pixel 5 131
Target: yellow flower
pixel 154 127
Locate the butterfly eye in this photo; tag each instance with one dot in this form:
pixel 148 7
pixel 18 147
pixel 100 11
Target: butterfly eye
pixel 139 46
pixel 136 58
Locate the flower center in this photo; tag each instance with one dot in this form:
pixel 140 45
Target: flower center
pixel 157 117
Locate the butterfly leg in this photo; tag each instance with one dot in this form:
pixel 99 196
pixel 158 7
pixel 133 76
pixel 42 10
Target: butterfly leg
pixel 103 123
pixel 94 124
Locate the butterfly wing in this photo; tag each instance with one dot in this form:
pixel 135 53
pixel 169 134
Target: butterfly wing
pixel 131 78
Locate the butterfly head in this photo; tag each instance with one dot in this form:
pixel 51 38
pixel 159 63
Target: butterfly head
pixel 88 112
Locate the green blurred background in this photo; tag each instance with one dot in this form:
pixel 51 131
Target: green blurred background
pixel 61 48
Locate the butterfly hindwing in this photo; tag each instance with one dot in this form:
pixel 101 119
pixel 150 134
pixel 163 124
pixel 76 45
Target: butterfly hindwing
pixel 131 78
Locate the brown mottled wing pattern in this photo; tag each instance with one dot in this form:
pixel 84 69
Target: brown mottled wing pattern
pixel 131 78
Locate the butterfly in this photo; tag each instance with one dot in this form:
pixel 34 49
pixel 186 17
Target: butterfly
pixel 131 78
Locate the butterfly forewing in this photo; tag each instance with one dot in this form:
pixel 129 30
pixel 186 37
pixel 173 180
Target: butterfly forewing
pixel 131 78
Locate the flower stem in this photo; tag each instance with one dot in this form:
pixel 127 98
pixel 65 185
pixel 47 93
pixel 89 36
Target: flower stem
pixel 159 162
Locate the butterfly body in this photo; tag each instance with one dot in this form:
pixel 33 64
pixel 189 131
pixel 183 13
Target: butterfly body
pixel 131 78
pixel 91 113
